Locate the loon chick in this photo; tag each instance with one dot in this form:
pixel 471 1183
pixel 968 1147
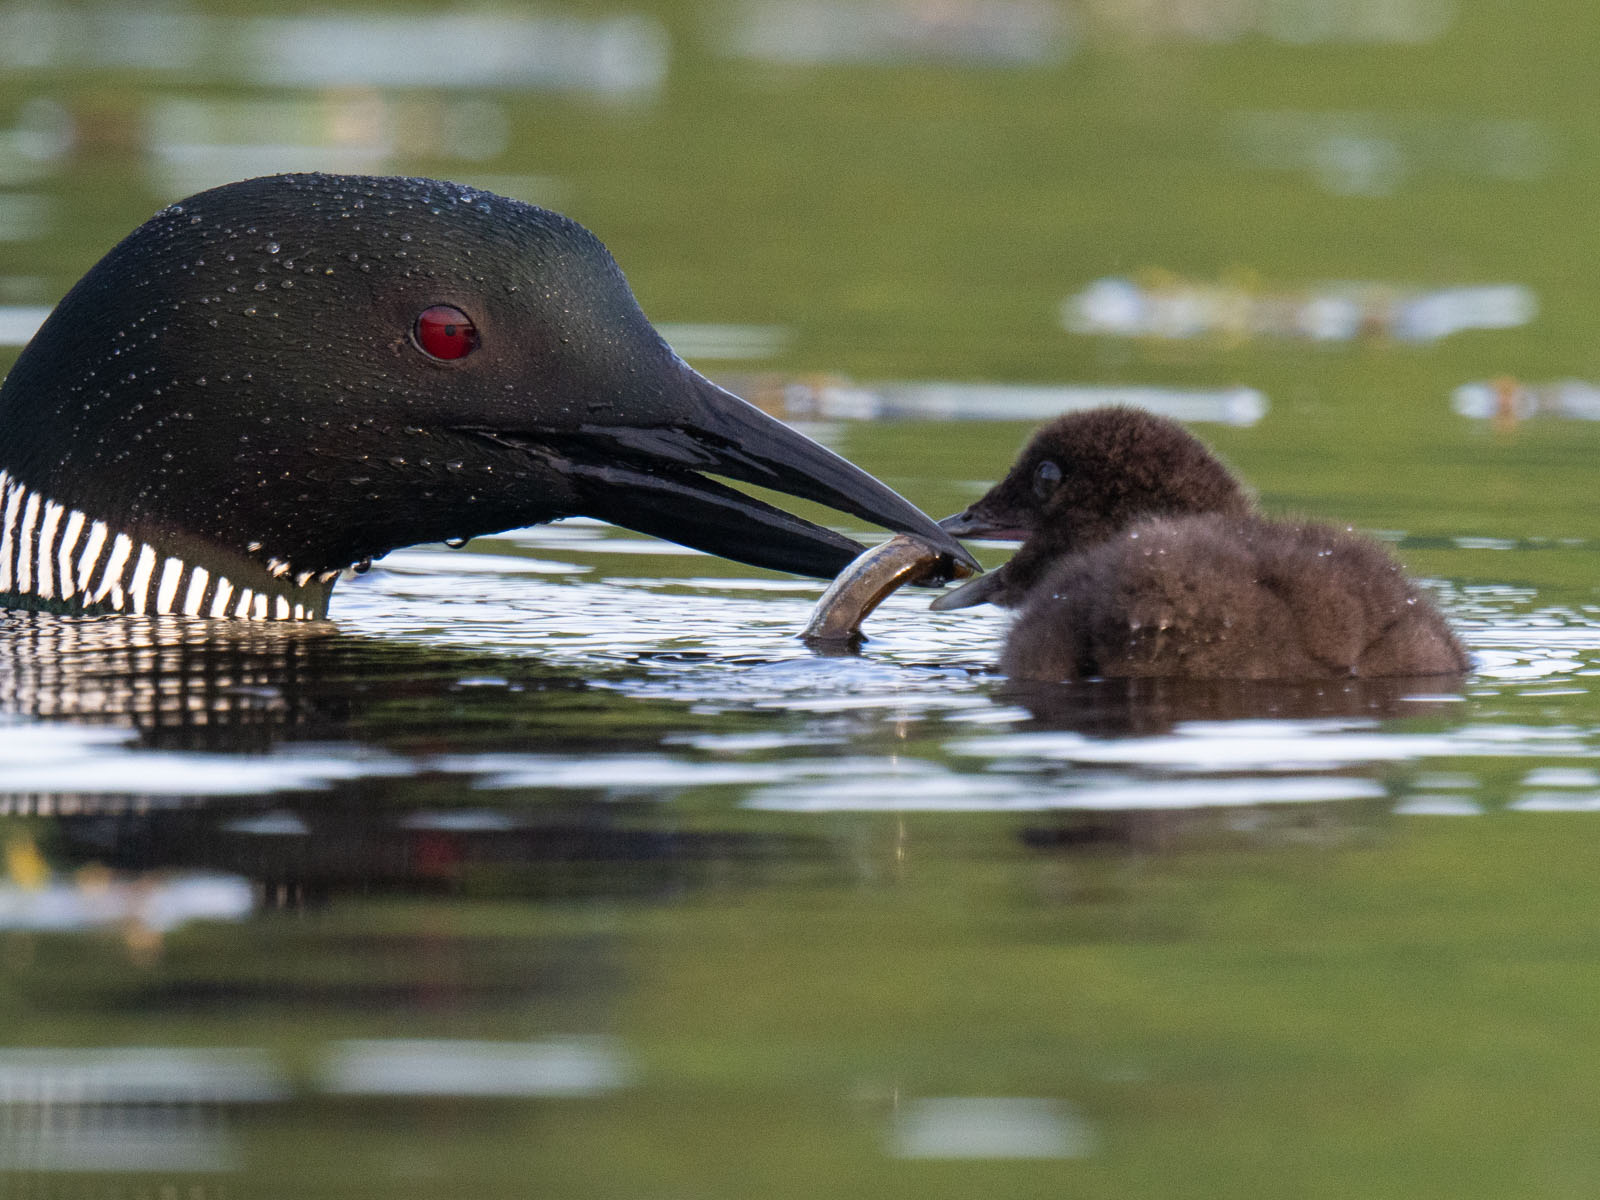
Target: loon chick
pixel 1144 557
pixel 276 379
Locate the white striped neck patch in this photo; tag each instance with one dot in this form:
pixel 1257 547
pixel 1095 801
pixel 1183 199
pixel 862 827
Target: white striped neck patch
pixel 60 559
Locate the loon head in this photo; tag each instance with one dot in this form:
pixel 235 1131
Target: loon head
pixel 279 378
pixel 1079 480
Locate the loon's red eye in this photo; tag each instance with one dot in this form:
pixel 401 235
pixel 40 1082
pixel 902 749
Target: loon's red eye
pixel 445 332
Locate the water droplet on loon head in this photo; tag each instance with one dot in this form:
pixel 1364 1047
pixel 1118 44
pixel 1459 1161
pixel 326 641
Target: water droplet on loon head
pixel 455 543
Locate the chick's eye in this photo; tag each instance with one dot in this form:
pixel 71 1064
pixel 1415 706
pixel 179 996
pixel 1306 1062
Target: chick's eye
pixel 445 332
pixel 1045 477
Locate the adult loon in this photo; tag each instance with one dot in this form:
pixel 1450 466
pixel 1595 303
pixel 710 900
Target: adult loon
pixel 1144 557
pixel 277 379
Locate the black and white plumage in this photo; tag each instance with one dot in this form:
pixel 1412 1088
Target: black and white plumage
pixel 276 379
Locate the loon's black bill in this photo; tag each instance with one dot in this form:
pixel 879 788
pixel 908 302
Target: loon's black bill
pixel 752 447
pixel 728 436
pixel 645 472
pixel 700 513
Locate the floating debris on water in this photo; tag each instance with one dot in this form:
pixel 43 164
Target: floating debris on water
pixel 1507 400
pixel 836 398
pixel 1289 22
pixel 622 55
pixel 998 32
pixel 1020 32
pixel 1171 307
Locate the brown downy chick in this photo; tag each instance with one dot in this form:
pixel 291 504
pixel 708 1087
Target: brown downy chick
pixel 1143 556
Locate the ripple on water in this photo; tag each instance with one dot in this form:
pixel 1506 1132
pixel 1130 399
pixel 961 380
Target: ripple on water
pixel 1269 746
pixel 913 791
pixel 50 759
pixel 728 642
pixel 917 720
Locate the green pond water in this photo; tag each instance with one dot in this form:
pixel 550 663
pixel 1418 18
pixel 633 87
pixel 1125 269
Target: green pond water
pixel 558 866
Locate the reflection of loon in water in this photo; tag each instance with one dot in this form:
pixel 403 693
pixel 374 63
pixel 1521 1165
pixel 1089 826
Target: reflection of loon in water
pixel 180 684
pixel 261 698
pixel 195 685
pixel 413 730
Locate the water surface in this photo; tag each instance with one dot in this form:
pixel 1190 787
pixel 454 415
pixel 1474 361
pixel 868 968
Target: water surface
pixel 558 864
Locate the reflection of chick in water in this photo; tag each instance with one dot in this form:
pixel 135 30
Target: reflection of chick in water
pixel 1152 706
pixel 1143 556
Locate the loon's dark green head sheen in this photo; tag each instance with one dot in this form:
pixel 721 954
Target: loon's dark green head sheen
pixel 278 378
